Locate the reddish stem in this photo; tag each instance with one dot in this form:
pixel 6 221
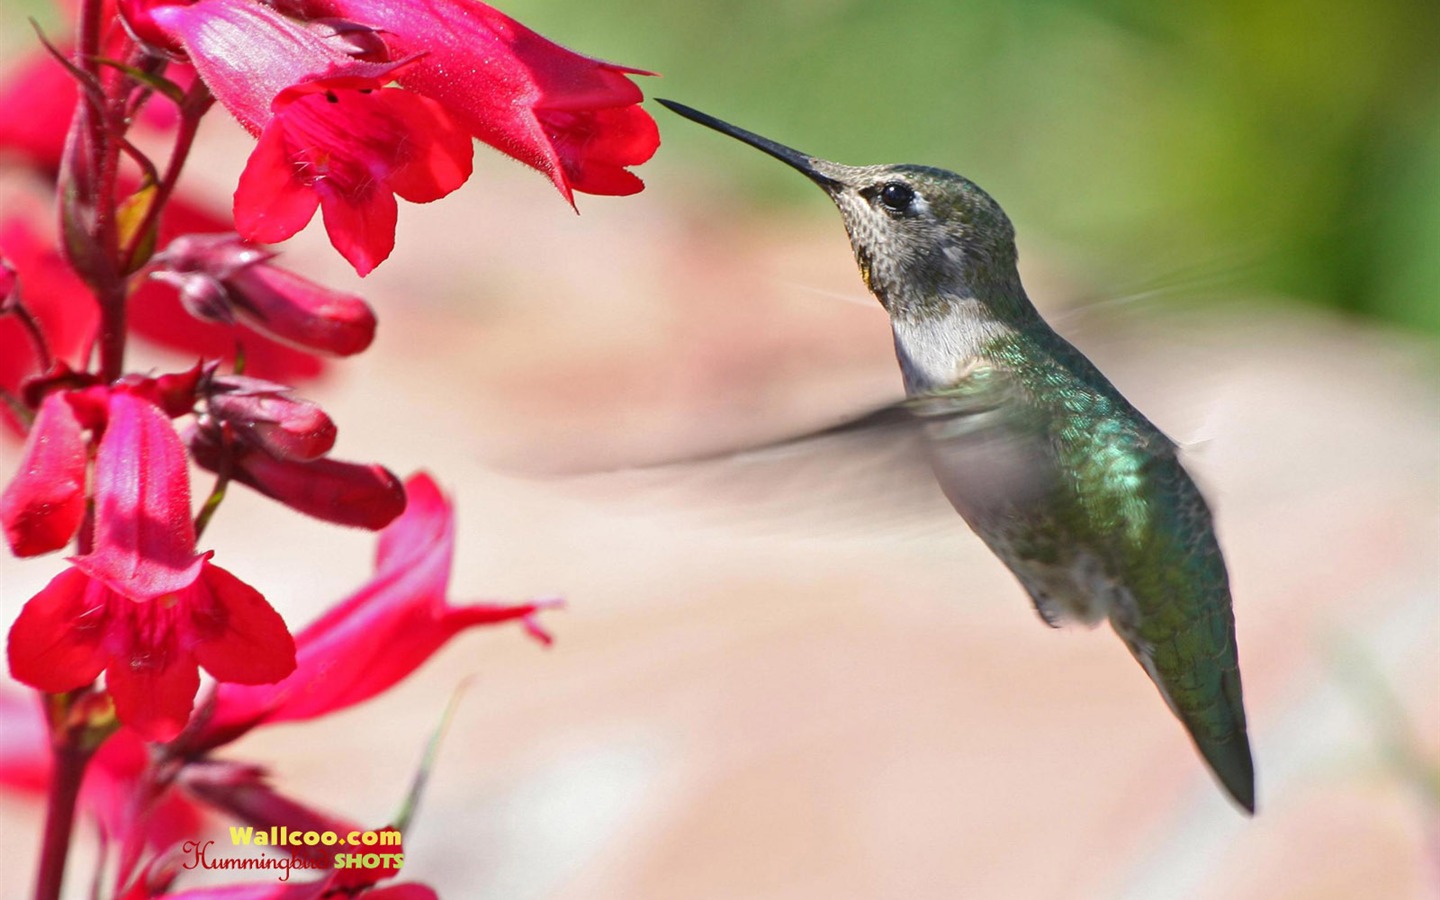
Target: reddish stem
pixel 65 778
pixel 32 328
pixel 112 332
pixel 192 109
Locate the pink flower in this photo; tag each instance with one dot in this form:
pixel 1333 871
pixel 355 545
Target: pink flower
pixel 42 506
pixel 574 118
pixel 378 635
pixel 143 606
pixel 331 135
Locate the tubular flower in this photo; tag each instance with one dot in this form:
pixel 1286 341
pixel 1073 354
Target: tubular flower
pixel 574 118
pixel 331 135
pixel 378 635
pixel 143 606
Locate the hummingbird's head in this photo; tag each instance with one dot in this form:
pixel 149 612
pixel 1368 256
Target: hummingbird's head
pixel 923 237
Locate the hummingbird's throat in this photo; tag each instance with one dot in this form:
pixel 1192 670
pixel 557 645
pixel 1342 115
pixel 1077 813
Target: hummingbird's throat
pixel 862 259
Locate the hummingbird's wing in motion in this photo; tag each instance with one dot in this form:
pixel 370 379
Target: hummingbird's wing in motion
pixel 866 475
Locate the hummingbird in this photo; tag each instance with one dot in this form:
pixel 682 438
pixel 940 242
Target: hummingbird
pixel 1077 493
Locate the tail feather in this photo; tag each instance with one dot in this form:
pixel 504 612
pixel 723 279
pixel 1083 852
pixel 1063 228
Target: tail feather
pixel 1227 754
pixel 1214 719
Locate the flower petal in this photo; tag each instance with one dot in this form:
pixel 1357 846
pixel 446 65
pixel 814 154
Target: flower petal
pixel 361 227
pixel 55 643
pixel 247 53
pixel 42 506
pixel 154 697
pixel 499 78
pixel 144 537
pixel 439 154
pixel 271 203
pixel 239 637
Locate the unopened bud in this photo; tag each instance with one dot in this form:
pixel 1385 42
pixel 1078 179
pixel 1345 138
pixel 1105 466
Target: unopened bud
pixel 353 494
pixel 264 414
pixel 300 312
pixel 222 278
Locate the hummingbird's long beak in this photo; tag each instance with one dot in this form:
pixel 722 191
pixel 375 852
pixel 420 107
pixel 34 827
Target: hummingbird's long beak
pixel 820 171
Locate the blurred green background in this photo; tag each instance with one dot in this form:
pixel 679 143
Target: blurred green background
pixel 1282 148
pixel 1230 149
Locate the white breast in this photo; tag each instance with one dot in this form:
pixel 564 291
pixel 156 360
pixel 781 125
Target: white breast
pixel 933 352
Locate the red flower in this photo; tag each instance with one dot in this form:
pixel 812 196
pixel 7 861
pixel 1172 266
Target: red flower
pixel 377 636
pixel 42 507
pixel 349 147
pixel 143 606
pixel 574 118
pixel 331 135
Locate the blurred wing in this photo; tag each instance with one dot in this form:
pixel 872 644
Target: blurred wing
pixel 988 445
pixel 867 475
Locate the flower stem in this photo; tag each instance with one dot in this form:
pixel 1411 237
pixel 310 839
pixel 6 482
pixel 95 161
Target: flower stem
pixel 32 329
pixel 65 778
pixel 192 109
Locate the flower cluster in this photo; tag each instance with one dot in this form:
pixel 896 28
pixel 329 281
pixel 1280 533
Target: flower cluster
pixel 362 646
pixel 147 654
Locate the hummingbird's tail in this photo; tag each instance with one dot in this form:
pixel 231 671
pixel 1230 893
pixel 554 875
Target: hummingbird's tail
pixel 1220 736
pixel 1204 693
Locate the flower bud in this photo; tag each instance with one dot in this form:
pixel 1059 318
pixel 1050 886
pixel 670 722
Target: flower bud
pixel 361 496
pixel 221 279
pixel 261 413
pixel 300 312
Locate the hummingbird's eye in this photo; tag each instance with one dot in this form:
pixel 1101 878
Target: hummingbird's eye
pixel 897 196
